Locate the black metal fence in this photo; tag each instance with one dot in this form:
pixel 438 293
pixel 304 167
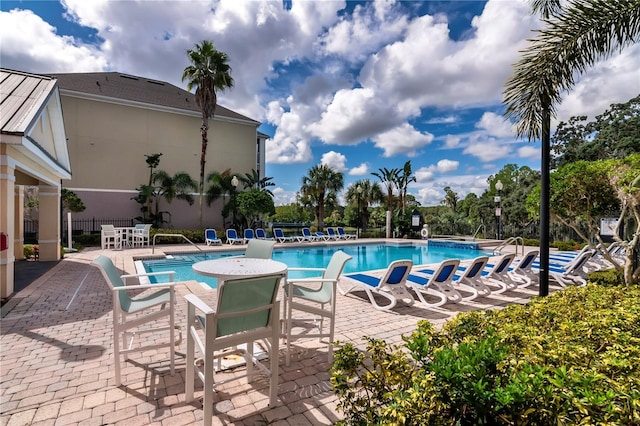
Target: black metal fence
pixel 78 227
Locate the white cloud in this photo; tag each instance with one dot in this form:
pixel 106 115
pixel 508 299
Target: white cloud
pixel 529 152
pixel 451 141
pixel 403 139
pixel 283 197
pixel 334 160
pixel 361 170
pixel 445 166
pixel 487 151
pixel 424 174
pixel 495 125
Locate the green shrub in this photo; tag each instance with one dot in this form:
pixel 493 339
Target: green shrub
pixel 29 250
pixel 569 358
pixel 607 277
pixel 566 245
pixel 87 240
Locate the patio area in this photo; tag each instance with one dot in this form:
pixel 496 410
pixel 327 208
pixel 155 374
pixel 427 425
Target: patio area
pixel 57 355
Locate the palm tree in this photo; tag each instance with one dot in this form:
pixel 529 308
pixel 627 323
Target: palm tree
pixel 388 178
pixel 403 181
pixel 369 194
pixel 209 71
pixel 319 187
pixel 576 35
pixel 179 186
pixel 221 185
pixel 253 180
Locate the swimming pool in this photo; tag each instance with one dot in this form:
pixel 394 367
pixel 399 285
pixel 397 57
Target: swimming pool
pixel 366 257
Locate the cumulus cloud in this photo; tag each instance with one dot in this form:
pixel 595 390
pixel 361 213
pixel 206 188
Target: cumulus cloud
pixel 529 152
pixel 445 166
pixel 495 125
pixel 487 151
pixel 334 160
pixel 361 170
pixel 403 139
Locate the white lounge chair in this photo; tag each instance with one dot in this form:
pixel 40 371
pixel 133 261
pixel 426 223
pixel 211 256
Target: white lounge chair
pixel 278 234
pixel 344 235
pixel 232 237
pixel 392 286
pixel 210 237
pixel 306 235
pixel 443 279
pixel 261 234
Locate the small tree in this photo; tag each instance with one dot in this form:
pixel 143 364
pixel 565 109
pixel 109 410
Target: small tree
pixel 254 203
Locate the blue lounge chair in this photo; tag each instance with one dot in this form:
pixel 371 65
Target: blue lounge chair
pixel 573 274
pixel 472 275
pixel 321 236
pixel 278 234
pixel 210 237
pixel 262 235
pixel 331 233
pixel 344 235
pixel 306 235
pixel 249 235
pixel 232 237
pixel 392 286
pixel 443 279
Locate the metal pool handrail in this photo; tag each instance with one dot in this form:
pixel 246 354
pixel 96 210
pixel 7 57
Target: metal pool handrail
pixel 153 250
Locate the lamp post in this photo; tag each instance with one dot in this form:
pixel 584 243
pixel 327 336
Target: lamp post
pixel 234 184
pixel 498 200
pixel 359 218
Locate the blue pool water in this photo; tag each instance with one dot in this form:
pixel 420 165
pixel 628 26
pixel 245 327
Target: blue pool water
pixel 366 257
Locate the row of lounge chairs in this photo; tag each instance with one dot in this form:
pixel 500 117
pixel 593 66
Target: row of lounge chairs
pixel 338 233
pixel 450 282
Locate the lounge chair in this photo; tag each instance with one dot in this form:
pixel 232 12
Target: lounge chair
pixel 247 311
pixel 321 236
pixel 573 274
pixel 318 297
pixel 132 315
pixel 232 237
pixel 392 286
pixel 261 234
pixel 331 233
pixel 306 235
pixel 210 237
pixel 249 235
pixel 523 271
pixel 472 275
pixel 278 234
pixel 499 276
pixel 344 235
pixel 443 280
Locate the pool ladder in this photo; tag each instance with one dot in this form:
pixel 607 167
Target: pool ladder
pixel 153 250
pixel 511 240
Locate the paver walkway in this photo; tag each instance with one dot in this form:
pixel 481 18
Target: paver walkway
pixel 56 358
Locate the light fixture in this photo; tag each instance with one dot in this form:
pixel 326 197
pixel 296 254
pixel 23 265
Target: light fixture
pixel 234 181
pixel 499 185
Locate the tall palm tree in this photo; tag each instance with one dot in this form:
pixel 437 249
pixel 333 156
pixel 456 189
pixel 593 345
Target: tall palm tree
pixel 404 178
pixel 179 186
pixel 388 178
pixel 209 71
pixel 319 187
pixel 369 194
pixel 577 33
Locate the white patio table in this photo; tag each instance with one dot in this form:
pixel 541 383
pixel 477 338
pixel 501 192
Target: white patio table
pixel 126 235
pixel 239 267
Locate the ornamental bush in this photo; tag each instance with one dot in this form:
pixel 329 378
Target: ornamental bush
pixel 569 358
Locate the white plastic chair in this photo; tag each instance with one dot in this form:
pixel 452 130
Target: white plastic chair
pixel 109 237
pixel 141 235
pixel 210 237
pixel 247 311
pixel 317 296
pixel 129 313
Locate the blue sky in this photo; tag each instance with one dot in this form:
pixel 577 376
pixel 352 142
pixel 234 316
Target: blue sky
pixel 354 85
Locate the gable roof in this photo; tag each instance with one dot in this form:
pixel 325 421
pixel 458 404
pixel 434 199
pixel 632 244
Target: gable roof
pixel 22 96
pixel 138 89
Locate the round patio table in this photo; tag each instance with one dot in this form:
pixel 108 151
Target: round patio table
pixel 239 267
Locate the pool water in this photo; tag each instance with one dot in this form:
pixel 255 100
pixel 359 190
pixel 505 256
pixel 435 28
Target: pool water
pixel 366 257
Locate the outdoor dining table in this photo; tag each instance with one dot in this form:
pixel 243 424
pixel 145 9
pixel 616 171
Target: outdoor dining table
pixel 239 267
pixel 126 235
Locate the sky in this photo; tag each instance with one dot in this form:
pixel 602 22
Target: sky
pixel 358 86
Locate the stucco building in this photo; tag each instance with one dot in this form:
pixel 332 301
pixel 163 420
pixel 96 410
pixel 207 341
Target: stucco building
pixel 112 120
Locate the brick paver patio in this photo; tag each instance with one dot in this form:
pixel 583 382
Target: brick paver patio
pixel 56 357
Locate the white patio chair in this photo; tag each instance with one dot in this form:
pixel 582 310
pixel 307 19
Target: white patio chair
pixel 109 237
pixel 130 313
pixel 247 311
pixel 317 296
pixel 141 235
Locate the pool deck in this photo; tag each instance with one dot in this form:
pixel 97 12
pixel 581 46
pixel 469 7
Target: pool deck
pixel 56 355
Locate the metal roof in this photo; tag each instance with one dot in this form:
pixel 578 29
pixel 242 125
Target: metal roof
pixel 133 88
pixel 22 96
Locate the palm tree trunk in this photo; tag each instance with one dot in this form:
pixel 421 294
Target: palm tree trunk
pixel 203 154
